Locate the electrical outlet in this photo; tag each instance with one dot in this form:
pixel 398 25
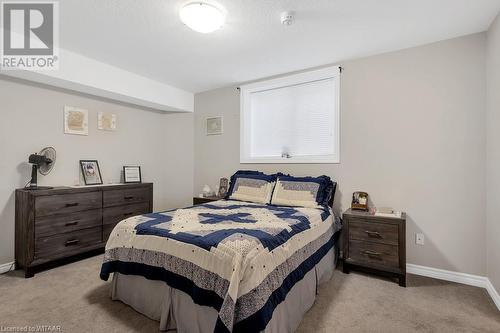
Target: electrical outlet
pixel 419 239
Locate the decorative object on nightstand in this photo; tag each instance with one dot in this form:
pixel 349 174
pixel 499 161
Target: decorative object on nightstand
pixel 202 200
pixel 223 187
pixel 387 212
pixel 207 191
pixel 375 243
pixel 359 201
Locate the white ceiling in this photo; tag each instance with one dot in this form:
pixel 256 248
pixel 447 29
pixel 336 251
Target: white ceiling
pixel 147 37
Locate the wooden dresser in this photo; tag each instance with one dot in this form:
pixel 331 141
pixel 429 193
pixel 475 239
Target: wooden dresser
pixel 377 244
pixel 62 222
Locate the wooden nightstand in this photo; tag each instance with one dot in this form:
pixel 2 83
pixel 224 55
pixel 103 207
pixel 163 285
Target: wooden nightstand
pixel 375 243
pixel 200 200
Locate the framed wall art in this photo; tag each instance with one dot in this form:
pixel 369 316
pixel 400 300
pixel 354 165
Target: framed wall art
pixel 106 121
pixel 214 126
pixel 76 121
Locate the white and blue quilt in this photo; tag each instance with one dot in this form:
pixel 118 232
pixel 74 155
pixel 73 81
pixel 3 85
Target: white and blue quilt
pixel 239 258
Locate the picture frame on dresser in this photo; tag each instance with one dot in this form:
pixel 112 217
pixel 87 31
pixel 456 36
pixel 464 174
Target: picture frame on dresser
pixel 91 172
pixel 132 174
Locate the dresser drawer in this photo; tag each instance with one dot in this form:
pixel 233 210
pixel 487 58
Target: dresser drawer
pixel 58 224
pixel 67 203
pixel 113 215
pixel 373 232
pixel 60 245
pixel 126 196
pixel 375 253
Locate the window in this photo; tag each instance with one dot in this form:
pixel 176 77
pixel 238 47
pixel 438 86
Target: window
pixel 294 119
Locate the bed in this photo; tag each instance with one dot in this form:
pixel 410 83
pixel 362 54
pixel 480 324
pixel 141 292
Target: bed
pixel 224 266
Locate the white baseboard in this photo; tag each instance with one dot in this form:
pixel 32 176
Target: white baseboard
pixel 4 268
pixel 493 293
pixel 441 274
pixel 463 278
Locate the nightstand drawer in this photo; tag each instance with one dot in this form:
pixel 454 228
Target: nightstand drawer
pixel 380 254
pixel 373 232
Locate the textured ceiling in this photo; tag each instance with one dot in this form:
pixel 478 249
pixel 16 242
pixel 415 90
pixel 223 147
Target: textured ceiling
pixel 147 37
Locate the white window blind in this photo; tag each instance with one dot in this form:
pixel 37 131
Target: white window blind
pixel 292 119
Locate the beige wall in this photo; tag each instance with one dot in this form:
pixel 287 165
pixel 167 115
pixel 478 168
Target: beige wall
pixel 31 117
pixel 412 136
pixel 493 153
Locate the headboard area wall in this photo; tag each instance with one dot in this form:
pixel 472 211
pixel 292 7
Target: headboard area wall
pixel 411 145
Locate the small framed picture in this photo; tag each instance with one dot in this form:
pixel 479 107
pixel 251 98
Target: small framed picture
pixel 223 187
pixel 91 172
pixel 360 201
pixel 106 121
pixel 76 121
pixel 132 174
pixel 214 126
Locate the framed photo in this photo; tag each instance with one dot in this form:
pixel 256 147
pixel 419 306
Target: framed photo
pixel 360 201
pixel 132 174
pixel 223 187
pixel 76 121
pixel 214 126
pixel 91 172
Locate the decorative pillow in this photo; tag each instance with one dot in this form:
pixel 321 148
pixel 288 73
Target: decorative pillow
pixel 309 192
pixel 251 186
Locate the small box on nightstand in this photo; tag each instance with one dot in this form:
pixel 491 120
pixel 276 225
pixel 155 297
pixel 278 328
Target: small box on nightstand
pixel 375 243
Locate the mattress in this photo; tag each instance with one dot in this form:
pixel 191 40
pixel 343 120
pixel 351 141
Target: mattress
pixel 239 258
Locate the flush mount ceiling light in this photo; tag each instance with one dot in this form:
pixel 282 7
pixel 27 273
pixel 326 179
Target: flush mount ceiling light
pixel 202 17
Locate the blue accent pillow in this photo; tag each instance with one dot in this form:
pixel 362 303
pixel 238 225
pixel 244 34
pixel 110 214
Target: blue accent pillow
pixel 303 191
pixel 253 186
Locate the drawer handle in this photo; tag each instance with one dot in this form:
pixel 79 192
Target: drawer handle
pixel 127 214
pixel 72 204
pixel 371 253
pixel 71 223
pixel 128 198
pixel 71 242
pixel 373 234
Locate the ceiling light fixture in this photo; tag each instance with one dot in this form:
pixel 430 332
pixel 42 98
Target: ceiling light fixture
pixel 202 17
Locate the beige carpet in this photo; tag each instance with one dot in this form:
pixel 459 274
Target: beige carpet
pixel 74 297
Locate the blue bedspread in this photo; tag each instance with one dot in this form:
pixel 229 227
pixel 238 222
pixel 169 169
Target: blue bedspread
pixel 239 258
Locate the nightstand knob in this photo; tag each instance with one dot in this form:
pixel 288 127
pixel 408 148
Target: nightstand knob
pixel 371 253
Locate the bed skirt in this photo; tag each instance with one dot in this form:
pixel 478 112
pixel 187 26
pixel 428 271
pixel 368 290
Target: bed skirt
pixel 175 310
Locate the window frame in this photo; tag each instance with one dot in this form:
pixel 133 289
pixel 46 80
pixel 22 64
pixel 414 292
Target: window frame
pixel 283 82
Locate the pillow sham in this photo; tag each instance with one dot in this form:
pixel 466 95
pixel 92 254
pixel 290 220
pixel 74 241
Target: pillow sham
pixel 309 192
pixel 252 186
